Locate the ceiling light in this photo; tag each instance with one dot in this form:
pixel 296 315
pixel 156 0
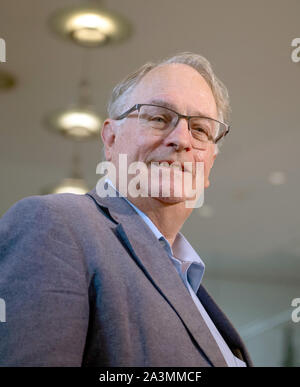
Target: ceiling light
pixel 70 185
pixel 276 178
pixel 73 184
pixel 90 25
pixel 78 123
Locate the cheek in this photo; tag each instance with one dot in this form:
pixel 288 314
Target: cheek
pixel 135 147
pixel 147 147
pixel 210 160
pixel 207 157
pixel 125 141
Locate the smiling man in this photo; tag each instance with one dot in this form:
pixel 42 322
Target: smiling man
pixel 95 280
pixel 181 88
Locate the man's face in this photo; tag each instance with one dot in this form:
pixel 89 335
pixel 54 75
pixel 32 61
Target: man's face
pixel 187 92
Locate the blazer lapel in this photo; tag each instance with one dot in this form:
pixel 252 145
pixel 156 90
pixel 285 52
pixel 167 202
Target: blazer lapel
pixel 155 263
pixel 226 329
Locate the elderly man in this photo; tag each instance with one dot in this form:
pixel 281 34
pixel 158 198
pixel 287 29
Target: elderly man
pixel 95 280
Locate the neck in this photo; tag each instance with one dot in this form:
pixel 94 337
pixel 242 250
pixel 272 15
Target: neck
pixel 167 217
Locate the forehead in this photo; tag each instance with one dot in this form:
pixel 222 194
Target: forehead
pixel 179 84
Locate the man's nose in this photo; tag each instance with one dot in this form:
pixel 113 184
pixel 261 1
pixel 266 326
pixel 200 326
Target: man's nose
pixel 180 136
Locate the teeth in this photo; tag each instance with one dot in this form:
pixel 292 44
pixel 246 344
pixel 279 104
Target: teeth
pixel 172 166
pixel 176 167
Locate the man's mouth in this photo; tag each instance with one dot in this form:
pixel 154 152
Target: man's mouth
pixel 181 166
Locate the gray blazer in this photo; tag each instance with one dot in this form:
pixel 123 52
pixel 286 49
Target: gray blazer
pixel 86 283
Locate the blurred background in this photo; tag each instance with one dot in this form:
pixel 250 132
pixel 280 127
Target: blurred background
pixel 54 88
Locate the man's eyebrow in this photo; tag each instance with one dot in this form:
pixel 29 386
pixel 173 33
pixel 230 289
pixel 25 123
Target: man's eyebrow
pixel 170 105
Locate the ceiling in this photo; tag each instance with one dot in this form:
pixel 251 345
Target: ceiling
pixel 254 233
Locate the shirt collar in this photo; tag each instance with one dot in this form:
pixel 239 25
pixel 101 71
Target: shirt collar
pixel 191 265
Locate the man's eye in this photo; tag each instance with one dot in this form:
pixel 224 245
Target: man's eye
pixel 158 119
pixel 201 131
pixel 200 134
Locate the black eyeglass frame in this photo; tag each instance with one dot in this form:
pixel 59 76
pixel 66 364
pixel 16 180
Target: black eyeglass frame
pixel 139 105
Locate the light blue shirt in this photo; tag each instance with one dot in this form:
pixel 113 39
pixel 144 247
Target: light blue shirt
pixel 190 268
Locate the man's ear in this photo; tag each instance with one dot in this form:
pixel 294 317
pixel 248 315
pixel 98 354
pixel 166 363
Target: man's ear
pixel 108 137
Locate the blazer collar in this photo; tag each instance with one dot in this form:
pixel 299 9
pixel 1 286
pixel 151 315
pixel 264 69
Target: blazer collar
pixel 224 326
pixel 154 261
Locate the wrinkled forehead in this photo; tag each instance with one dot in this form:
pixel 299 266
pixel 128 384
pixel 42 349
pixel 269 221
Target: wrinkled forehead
pixel 179 84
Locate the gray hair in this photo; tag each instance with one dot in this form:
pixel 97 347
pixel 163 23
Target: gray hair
pixel 117 101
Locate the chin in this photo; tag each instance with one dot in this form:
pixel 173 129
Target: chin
pixel 171 200
pixel 173 197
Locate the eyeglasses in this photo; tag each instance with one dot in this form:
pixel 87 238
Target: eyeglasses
pixel 160 120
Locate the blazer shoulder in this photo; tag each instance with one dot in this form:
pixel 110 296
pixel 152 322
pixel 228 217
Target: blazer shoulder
pixel 62 215
pixel 61 205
